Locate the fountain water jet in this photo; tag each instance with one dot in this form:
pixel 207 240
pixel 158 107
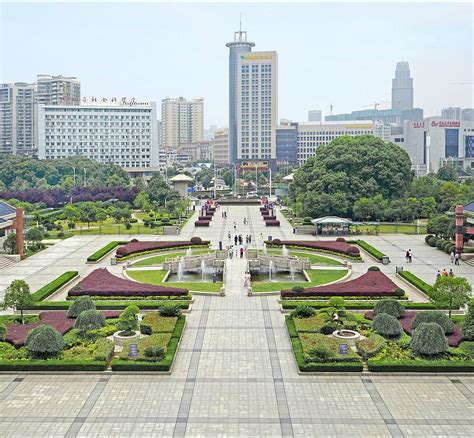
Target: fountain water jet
pixel 203 268
pixel 270 270
pixel 180 269
pixel 292 272
pixel 189 252
pixel 284 251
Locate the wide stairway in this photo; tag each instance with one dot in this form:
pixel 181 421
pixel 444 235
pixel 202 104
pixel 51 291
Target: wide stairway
pixel 6 262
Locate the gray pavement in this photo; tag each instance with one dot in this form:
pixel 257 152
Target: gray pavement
pixel 235 374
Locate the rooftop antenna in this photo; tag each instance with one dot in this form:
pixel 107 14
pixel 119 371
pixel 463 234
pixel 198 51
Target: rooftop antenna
pixel 240 22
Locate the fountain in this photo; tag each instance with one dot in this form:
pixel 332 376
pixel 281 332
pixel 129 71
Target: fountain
pixel 265 249
pixel 284 251
pixel 189 252
pixel 292 272
pixel 203 268
pixel 350 336
pixel 180 269
pixel 270 270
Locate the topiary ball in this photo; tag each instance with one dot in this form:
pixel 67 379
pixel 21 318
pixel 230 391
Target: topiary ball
pixel 80 305
pixel 428 237
pixel 196 240
pixel 89 320
pixel 399 292
pixel 428 340
pixel 340 239
pixel 133 240
pixel 302 312
pixel 387 325
pixel 44 342
pixel 169 310
pixel 436 317
pixel 276 241
pixel 390 307
pixel 154 353
pixel 297 289
pixel 432 241
pixel 374 268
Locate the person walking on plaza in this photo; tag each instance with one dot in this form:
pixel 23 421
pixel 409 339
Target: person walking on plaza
pixel 438 274
pixel 410 256
pixel 250 238
pixel 231 251
pixel 240 239
pixel 236 239
pixel 407 257
pixel 451 273
pixel 444 273
pixel 229 236
pixel 457 257
pixel 245 221
pixel 241 252
pixel 451 256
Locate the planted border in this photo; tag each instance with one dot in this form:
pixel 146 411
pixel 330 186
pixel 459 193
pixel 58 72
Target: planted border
pixel 52 365
pixel 159 250
pixel 374 252
pixel 317 250
pixel 101 253
pixel 111 305
pixel 420 365
pixel 353 305
pixel 53 286
pixel 417 282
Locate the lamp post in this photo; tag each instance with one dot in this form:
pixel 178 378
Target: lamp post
pixel 270 193
pixel 85 177
pixel 235 177
pixel 256 178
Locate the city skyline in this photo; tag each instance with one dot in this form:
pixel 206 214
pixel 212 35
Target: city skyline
pixel 337 74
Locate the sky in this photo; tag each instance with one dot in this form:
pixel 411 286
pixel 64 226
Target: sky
pixel 340 54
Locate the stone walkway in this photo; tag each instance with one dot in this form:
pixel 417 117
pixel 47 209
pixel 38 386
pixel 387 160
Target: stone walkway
pixel 234 376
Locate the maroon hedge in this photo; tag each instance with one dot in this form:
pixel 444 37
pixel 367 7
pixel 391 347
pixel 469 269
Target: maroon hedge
pixel 137 247
pixel 102 283
pixel 202 223
pixel 16 333
pixel 333 246
pixel 272 223
pixel 370 284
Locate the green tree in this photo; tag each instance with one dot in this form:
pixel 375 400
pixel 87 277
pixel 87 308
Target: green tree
pixel 347 169
pixel 428 206
pixel 9 244
pixel 71 213
pixel 451 292
pixel 363 209
pixel 18 297
pixel 447 173
pixel 142 201
pixel 88 212
pixel 438 225
pixel 128 320
pixel 34 235
pixel 158 191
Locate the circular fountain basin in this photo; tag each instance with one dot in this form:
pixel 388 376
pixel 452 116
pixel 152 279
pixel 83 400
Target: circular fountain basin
pixel 120 340
pixel 350 336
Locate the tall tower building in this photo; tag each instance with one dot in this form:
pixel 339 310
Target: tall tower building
pixel 402 87
pixel 451 113
pixel 182 121
pixel 17 118
pixel 257 106
pixel 239 46
pixel 57 90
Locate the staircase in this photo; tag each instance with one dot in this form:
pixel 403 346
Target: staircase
pixel 6 262
pixel 468 259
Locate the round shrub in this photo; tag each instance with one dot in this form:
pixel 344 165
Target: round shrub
pixel 387 325
pixel 80 305
pixel 440 243
pixel 133 240
pixel 195 240
pixel 428 237
pixel 328 328
pixel 340 239
pixel 154 353
pixel 3 332
pixel 445 245
pixel 89 320
pixel 468 324
pixel 297 289
pixel 432 241
pixel 44 342
pixel 353 252
pixel 307 221
pixel 303 312
pixel 168 310
pixel 399 292
pixel 390 307
pixel 374 268
pixel 436 317
pixel 128 320
pixel 276 241
pixel 320 353
pixel 428 340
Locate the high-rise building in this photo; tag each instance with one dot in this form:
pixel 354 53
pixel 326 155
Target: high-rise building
pixel 287 144
pixel 122 134
pixel 257 106
pixel 182 121
pixel 159 130
pixel 314 116
pixel 220 147
pixel 239 46
pixel 402 87
pixel 451 113
pixel 467 115
pixel 57 90
pixel 17 118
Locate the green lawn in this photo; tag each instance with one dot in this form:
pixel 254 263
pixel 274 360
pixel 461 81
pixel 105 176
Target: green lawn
pixel 318 277
pixel 156 277
pixel 159 259
pixel 313 258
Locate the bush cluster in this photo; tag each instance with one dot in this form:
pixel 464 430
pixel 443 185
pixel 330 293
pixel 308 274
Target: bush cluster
pixel 169 310
pixel 44 342
pixel 436 317
pixel 370 346
pixel 444 245
pixel 89 320
pixel 468 325
pixel 387 325
pixel 391 307
pixel 80 305
pixel 428 340
pixel 303 312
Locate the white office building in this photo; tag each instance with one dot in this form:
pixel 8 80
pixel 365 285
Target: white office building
pixel 220 147
pixel 17 118
pixel 312 135
pixel 182 121
pixel 124 134
pixel 257 106
pixel 57 90
pixel 314 116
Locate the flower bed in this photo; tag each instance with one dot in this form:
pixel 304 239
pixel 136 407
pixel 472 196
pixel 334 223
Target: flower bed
pixel 332 246
pixel 202 223
pixel 417 282
pixel 272 223
pixel 374 252
pixel 370 284
pixel 95 257
pixel 205 218
pixel 53 286
pixel 16 333
pixel 102 283
pixel 139 247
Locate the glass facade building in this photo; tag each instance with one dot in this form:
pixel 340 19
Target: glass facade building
pixel 238 46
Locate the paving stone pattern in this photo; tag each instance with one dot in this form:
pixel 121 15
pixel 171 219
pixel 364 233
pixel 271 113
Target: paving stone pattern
pixel 235 374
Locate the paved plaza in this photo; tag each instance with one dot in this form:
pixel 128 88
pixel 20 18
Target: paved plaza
pixel 235 373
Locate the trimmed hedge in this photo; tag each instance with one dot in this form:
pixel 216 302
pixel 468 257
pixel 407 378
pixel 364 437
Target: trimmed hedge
pixel 108 304
pixel 290 325
pixel 53 286
pixel 417 282
pixel 52 365
pixel 95 257
pixel 354 305
pixel 154 251
pixel 421 365
pixel 370 249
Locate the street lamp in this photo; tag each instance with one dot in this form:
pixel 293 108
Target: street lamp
pixel 256 178
pixel 270 193
pixel 235 177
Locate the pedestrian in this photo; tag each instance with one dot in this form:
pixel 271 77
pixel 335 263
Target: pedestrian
pixel 407 256
pixel 228 235
pixel 241 252
pixel 451 273
pixel 457 257
pixel 438 274
pixel 235 226
pixel 235 239
pixel 245 221
pixel 451 256
pixel 231 251
pixel 214 277
pixel 240 239
pixel 410 256
pixel 250 238
pixel 444 273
